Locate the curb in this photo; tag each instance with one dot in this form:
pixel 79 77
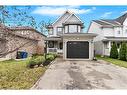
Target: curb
pixel 35 85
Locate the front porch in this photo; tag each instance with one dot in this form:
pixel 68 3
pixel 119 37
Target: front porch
pixel 54 45
pixel 108 43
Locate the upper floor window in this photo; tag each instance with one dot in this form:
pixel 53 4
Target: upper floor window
pixel 50 31
pixel 72 28
pixel 59 29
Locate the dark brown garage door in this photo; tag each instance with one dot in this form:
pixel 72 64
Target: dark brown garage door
pixel 76 49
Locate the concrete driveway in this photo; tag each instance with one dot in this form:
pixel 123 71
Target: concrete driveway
pixel 83 75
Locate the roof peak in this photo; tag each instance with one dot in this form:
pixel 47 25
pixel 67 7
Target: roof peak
pixel 121 19
pixel 68 11
pixel 71 16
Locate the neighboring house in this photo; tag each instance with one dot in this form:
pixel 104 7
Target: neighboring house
pixel 109 31
pixel 66 37
pixel 20 39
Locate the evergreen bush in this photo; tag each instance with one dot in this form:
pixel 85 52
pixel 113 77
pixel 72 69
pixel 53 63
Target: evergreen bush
pixel 122 52
pixel 114 51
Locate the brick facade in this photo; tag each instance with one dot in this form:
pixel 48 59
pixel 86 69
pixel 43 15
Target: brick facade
pixel 22 39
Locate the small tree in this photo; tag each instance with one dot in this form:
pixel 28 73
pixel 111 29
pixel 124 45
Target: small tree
pixel 122 52
pixel 114 51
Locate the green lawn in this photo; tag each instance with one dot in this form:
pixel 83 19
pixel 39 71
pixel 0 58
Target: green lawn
pixel 15 75
pixel 114 61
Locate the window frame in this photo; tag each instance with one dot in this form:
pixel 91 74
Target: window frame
pixel 60 28
pixel 77 28
pixel 50 31
pixel 72 26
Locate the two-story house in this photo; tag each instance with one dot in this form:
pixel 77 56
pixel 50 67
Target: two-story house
pixel 66 36
pixel 109 31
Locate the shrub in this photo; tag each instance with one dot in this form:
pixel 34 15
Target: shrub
pixel 114 51
pixel 53 55
pixel 36 55
pixel 122 52
pixel 49 57
pixel 38 60
pixel 31 63
pixel 47 62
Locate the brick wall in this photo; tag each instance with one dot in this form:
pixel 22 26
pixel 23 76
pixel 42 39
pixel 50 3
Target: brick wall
pixel 32 43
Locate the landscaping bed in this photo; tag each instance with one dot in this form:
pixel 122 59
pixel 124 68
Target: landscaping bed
pixel 19 75
pixel 113 61
pixel 37 60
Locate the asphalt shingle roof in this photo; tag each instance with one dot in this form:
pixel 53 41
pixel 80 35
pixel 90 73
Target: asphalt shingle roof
pixel 121 19
pixel 100 22
pixel 112 22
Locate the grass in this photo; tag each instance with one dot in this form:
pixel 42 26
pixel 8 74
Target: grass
pixel 114 61
pixel 15 74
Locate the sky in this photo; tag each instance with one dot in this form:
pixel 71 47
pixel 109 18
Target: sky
pixel 85 13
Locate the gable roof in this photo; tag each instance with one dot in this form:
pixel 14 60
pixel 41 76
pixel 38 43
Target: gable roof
pixel 103 24
pixel 66 12
pixel 100 22
pixel 67 18
pixel 74 22
pixel 10 29
pixel 112 22
pixel 121 19
pixel 25 28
